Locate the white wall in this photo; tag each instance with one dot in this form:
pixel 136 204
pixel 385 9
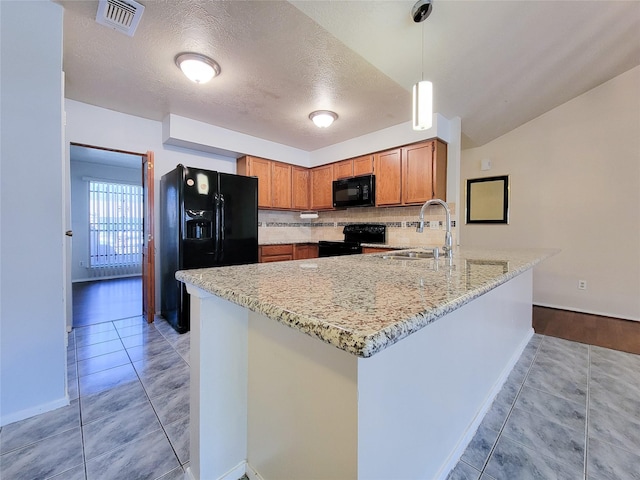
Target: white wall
pixel 575 185
pixel 32 323
pixel 80 171
pixel 99 127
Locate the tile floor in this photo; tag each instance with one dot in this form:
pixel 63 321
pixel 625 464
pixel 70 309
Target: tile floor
pixel 129 413
pixel 567 411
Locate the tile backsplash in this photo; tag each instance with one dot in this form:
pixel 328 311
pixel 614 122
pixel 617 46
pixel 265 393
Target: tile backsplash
pixel 401 222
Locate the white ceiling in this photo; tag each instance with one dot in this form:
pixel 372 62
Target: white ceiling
pixel 495 64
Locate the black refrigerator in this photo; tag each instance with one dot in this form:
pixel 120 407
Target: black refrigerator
pixel 207 219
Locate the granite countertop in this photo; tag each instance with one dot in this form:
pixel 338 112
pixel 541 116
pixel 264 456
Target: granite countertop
pixel 363 304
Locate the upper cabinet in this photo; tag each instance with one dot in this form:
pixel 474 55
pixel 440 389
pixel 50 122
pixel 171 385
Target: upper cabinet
pixel 274 181
pixel 343 169
pixel 363 165
pixel 300 188
pixel 322 187
pixel 261 168
pixel 406 175
pixel 280 185
pixel 412 174
pixel 388 170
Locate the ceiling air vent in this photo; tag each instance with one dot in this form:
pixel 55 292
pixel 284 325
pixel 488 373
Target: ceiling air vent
pixel 120 15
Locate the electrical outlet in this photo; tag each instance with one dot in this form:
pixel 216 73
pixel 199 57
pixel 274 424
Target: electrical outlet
pixel 582 284
pixel 81 263
pixel 433 225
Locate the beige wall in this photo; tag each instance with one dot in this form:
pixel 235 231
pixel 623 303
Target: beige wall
pixel 575 185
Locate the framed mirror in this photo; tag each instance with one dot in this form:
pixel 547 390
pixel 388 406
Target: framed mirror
pixel 488 200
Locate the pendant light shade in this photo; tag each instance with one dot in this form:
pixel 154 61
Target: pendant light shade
pixel 197 68
pixel 422 105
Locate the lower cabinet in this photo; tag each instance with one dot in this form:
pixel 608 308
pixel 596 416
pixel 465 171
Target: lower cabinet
pixel 289 251
pixel 305 250
pixel 375 250
pixel 275 253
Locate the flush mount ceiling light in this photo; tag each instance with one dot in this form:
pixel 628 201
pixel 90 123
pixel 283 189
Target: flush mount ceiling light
pixel 423 90
pixel 323 118
pixel 197 68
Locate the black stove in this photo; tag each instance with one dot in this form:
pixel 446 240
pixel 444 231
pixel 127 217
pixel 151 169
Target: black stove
pixel 354 236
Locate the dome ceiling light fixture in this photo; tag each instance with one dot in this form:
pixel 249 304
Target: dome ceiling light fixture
pixel 323 118
pixel 423 90
pixel 196 67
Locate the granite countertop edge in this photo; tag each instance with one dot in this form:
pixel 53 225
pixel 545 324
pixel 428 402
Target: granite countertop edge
pixel 361 345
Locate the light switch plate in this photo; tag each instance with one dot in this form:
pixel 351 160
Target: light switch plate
pixel 485 164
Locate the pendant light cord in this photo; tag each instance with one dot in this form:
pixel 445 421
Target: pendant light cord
pixel 423 51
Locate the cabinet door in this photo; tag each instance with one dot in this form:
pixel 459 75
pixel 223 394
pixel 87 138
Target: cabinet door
pixel 343 169
pixel 321 187
pixel 376 250
pixel 280 185
pixel 440 171
pixel 388 169
pixel 300 188
pixel 417 162
pixel 363 165
pixel 261 168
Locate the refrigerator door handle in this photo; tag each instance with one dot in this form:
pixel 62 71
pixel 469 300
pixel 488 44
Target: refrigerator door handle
pixel 216 244
pixel 222 224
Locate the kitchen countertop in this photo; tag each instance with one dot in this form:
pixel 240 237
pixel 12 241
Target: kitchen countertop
pixel 363 304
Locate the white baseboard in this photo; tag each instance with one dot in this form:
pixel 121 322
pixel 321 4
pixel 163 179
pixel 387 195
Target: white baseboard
pixel 454 457
pixel 589 312
pixel 243 468
pixel 252 474
pixel 30 412
pixel 188 475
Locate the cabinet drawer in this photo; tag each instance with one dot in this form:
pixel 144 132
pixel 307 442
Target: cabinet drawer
pixel 268 250
pixel 276 258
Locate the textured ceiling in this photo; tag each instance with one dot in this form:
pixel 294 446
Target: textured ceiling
pixel 496 65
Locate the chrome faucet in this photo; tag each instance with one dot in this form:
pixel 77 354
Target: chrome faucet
pixel 447 249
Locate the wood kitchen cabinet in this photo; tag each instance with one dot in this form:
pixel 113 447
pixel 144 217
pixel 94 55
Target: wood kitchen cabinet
pixel 261 168
pixel 388 169
pixel 305 250
pixel 412 174
pixel 280 185
pixel 275 253
pixel 300 194
pixel 321 187
pixel 363 165
pixel 424 176
pixel 274 181
pixel 343 169
pixel 376 250
pixel 289 251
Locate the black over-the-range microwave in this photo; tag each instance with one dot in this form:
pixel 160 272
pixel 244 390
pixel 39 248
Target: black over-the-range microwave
pixel 355 191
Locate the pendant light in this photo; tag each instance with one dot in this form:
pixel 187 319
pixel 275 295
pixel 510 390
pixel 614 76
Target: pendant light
pixel 423 90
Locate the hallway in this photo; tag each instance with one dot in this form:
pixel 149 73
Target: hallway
pixel 106 300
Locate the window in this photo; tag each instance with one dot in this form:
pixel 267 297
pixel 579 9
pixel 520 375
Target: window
pixel 115 224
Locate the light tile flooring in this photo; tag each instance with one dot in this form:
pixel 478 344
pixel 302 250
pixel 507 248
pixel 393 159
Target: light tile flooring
pixel 567 411
pixel 129 413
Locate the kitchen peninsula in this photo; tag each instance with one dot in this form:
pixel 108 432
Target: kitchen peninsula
pixel 359 367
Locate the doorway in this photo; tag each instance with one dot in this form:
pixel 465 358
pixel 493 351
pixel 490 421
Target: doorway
pixel 108 209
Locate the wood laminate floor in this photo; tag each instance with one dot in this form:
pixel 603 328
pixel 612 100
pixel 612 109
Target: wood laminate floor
pixel 614 333
pixel 106 300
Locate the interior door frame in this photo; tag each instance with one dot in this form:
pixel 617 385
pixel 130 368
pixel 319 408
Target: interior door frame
pixel 148 248
pixel 148 243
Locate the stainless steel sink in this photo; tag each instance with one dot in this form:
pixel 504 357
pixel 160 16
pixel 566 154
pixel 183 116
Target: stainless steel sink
pixel 408 255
